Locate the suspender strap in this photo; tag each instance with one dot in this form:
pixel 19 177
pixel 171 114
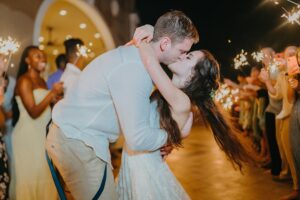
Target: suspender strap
pixel 101 188
pixel 57 183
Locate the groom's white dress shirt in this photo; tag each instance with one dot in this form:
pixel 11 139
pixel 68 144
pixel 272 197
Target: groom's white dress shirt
pixel 110 96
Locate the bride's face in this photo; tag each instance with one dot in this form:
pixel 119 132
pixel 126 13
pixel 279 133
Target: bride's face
pixel 184 68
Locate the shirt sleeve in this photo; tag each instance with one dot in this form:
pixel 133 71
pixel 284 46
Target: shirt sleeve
pixel 278 87
pixel 49 83
pixel 130 88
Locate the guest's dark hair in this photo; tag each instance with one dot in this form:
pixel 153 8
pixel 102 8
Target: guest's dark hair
pixel 199 88
pixel 23 68
pixel 71 47
pixel 61 58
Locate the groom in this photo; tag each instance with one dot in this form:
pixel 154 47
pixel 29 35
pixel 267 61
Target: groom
pixel 112 96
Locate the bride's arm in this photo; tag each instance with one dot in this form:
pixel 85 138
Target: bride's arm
pixel 176 98
pixel 185 131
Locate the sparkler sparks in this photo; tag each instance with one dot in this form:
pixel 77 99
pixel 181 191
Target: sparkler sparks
pixel 8 46
pixel 297 4
pixel 293 16
pixel 82 51
pixel 226 96
pixel 258 56
pixel 240 60
pixel 277 2
pixel 273 67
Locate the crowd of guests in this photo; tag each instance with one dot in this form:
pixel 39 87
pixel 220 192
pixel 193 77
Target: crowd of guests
pixel 268 112
pixel 24 115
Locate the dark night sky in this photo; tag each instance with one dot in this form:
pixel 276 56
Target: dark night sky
pixel 249 24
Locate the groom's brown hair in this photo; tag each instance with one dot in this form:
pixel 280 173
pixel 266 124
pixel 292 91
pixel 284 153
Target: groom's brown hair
pixel 175 25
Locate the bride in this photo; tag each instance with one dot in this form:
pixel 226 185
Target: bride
pixel 144 175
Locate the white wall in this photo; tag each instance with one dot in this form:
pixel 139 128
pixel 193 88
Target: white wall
pixel 17 25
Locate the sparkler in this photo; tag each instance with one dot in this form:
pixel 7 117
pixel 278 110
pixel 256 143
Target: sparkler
pixel 82 51
pixel 297 4
pixel 8 47
pixel 258 56
pixel 293 16
pixel 240 60
pixel 277 2
pixel 273 67
pixel 226 96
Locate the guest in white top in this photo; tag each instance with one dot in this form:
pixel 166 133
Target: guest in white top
pixel 112 96
pixel 75 63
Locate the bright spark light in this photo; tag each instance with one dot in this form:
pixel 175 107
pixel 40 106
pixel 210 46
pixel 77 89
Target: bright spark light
pixel 8 46
pixel 297 4
pixel 273 67
pixel 258 56
pixel 293 16
pixel 226 96
pixel 82 51
pixel 240 60
pixel 277 2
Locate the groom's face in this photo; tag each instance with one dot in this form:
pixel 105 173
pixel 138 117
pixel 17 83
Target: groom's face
pixel 176 51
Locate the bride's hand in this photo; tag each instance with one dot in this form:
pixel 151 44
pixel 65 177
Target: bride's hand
pixel 142 33
pixel 148 55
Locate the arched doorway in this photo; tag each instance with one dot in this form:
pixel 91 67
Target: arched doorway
pixel 58 20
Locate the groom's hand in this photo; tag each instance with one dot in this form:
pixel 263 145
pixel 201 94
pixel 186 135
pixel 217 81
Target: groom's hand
pixel 166 150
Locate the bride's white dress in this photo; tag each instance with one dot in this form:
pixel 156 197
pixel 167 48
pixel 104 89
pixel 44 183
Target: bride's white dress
pixel 145 176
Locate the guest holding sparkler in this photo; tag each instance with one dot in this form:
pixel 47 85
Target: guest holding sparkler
pixel 281 90
pixel 75 62
pixel 31 178
pixel 271 124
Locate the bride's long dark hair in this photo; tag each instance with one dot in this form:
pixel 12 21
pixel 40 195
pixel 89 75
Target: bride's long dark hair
pixel 199 88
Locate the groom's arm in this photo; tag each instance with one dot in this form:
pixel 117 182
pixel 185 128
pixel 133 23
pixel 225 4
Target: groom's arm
pixel 130 88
